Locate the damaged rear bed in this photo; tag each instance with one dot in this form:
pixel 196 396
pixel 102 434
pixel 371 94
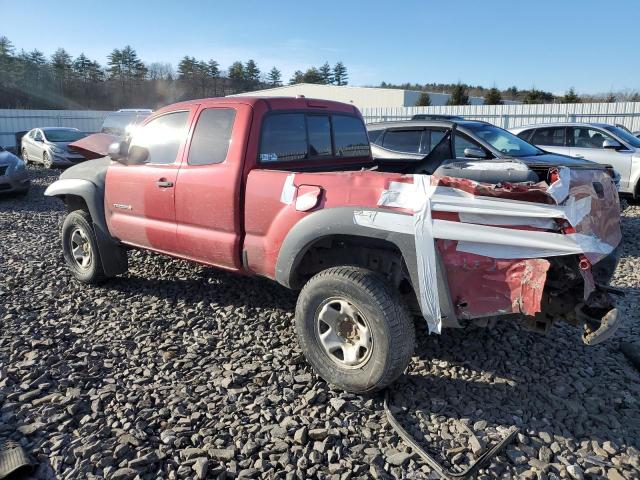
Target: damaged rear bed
pixel 543 250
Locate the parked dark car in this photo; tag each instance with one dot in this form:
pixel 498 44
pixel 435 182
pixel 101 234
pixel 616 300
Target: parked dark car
pixel 434 144
pixel 428 116
pixel 13 174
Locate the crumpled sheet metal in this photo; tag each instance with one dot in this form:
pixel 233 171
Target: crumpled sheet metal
pixel 95 145
pixel 517 279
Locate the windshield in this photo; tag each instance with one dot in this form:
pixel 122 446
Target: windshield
pixel 624 135
pixel 63 135
pixel 503 141
pixel 117 123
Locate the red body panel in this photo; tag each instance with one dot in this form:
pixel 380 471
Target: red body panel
pixel 138 211
pixel 208 201
pixel 268 220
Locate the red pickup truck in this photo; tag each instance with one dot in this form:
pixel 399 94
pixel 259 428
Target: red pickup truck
pixel 286 188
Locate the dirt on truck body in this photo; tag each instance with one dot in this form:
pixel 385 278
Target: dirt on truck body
pixel 287 189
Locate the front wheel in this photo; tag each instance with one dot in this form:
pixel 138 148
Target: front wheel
pixel 25 156
pixel 46 160
pixel 80 248
pixel 354 329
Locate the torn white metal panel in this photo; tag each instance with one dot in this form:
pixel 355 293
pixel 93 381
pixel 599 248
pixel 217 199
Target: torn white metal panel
pixel 446 199
pixel 288 189
pixel 559 189
pixel 499 166
pixel 426 255
pixel 484 219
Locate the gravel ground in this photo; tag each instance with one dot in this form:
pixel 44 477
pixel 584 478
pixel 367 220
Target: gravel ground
pixel 180 371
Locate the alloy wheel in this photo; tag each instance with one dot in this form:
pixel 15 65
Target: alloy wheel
pixel 344 333
pixel 81 248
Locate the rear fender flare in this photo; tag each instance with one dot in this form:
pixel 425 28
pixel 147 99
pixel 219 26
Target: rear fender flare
pixel 340 221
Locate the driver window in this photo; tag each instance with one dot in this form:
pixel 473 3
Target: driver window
pixel 162 137
pixel 37 136
pixel 584 137
pixel 462 141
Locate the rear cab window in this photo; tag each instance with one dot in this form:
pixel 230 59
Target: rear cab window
pixel 303 136
pixel 211 137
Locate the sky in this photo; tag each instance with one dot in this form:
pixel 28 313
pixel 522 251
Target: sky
pixel 589 45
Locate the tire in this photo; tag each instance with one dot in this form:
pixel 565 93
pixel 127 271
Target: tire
pixel 25 156
pixel 383 329
pixel 77 230
pixel 46 160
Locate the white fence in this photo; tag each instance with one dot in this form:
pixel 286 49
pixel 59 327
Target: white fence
pixel 505 116
pixel 509 116
pixel 14 121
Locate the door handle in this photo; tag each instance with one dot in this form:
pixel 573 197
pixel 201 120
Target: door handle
pixel 579 156
pixel 164 183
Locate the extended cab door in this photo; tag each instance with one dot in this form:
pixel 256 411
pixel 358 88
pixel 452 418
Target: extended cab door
pixel 140 198
pixel 208 191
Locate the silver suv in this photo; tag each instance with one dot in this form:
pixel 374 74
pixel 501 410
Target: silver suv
pixel 598 142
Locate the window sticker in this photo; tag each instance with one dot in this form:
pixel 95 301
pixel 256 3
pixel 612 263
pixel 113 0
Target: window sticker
pixel 268 157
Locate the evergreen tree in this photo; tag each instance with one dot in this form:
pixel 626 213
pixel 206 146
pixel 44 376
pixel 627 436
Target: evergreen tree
pixel 298 77
pixel 252 72
pixel 214 69
pixel 493 97
pixel 236 71
pixel 326 73
pixel 340 76
pixel 424 100
pixel 274 78
pixel 88 70
pixel 186 68
pixel 533 96
pixel 459 95
pixel 312 75
pixel 6 47
pixel 570 97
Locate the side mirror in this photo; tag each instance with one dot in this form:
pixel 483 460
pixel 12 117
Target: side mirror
pixel 137 155
pixel 118 152
pixel 611 144
pixel 474 153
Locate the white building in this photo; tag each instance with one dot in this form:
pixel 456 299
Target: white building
pixel 361 97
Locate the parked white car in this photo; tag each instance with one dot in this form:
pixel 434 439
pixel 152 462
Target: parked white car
pixel 598 142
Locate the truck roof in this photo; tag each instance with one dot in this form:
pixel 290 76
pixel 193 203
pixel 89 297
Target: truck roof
pixel 272 103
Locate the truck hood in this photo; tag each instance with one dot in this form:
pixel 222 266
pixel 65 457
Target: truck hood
pixel 556 160
pixel 94 146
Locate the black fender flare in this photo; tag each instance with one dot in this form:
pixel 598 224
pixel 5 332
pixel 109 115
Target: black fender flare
pixel 112 254
pixel 340 221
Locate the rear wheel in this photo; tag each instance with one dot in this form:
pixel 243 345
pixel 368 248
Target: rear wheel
pixel 80 248
pixel 354 329
pixel 25 156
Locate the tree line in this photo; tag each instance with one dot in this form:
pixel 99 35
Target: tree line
pixel 31 80
pixel 460 93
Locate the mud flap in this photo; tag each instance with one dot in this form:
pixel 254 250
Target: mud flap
pixel 12 459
